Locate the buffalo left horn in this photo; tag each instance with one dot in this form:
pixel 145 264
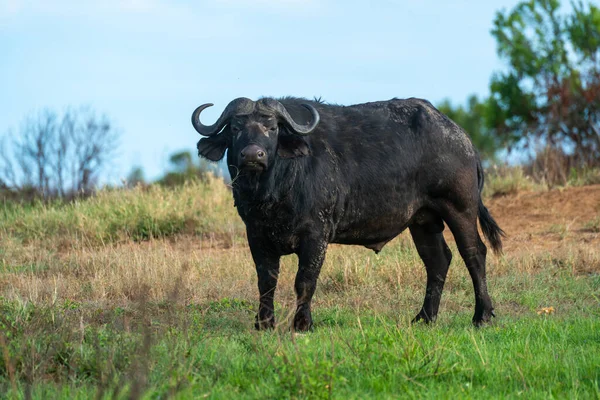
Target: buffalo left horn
pixel 240 105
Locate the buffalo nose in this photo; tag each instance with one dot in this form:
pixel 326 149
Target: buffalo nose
pixel 253 153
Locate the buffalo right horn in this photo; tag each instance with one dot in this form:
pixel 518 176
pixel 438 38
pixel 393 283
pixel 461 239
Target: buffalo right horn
pixel 241 105
pixel 297 128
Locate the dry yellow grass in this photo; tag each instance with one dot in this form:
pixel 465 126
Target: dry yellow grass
pixel 197 267
pixel 185 271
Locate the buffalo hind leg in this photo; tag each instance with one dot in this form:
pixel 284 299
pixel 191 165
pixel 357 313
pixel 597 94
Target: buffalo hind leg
pixel 436 256
pixel 310 260
pixel 473 251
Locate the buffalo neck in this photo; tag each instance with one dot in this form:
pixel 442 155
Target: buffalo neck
pixel 269 187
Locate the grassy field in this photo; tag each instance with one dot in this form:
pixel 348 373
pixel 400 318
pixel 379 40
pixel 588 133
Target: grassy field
pixel 151 293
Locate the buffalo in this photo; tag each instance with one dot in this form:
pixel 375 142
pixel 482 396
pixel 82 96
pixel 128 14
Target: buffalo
pixel 306 173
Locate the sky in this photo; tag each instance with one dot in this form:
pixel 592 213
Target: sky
pixel 147 64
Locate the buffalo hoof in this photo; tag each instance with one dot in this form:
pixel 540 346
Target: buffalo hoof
pixel 303 322
pixel 264 324
pixel 483 319
pixel 422 316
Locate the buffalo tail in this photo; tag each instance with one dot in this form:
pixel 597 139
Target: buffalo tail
pixel 489 226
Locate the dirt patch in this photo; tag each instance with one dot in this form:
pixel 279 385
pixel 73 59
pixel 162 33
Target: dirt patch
pixel 547 221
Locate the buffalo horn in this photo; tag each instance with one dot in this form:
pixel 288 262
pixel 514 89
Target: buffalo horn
pixel 240 105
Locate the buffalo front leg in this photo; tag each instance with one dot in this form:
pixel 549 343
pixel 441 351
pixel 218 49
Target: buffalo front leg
pixel 267 270
pixel 436 256
pixel 310 260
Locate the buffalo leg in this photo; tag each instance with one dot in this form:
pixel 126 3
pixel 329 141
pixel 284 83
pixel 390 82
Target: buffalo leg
pixel 267 269
pixel 310 261
pixel 436 256
pixel 473 251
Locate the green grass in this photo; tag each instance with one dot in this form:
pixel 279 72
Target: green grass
pixel 362 346
pixel 116 215
pixel 593 225
pixel 195 352
pixel 584 176
pixel 505 180
pixel 151 293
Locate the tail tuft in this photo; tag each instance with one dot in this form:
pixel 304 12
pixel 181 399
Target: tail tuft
pixel 490 228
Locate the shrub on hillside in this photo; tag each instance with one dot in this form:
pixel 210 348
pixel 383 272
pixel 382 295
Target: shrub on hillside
pixel 115 215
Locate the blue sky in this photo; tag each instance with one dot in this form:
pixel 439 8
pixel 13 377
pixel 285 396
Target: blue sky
pixel 148 63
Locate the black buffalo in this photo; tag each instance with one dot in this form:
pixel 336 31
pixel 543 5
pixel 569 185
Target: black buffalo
pixel 306 174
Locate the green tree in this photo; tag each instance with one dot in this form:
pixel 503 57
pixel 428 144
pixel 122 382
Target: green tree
pixel 183 168
pixel 472 119
pixel 551 88
pixel 135 177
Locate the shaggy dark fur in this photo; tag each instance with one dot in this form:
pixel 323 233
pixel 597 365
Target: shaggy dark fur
pixel 362 176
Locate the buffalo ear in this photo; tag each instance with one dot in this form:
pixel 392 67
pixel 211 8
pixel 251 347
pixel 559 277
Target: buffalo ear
pixel 291 146
pixel 213 147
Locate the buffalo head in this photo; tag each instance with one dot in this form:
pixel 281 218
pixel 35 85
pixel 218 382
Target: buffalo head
pixel 254 132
